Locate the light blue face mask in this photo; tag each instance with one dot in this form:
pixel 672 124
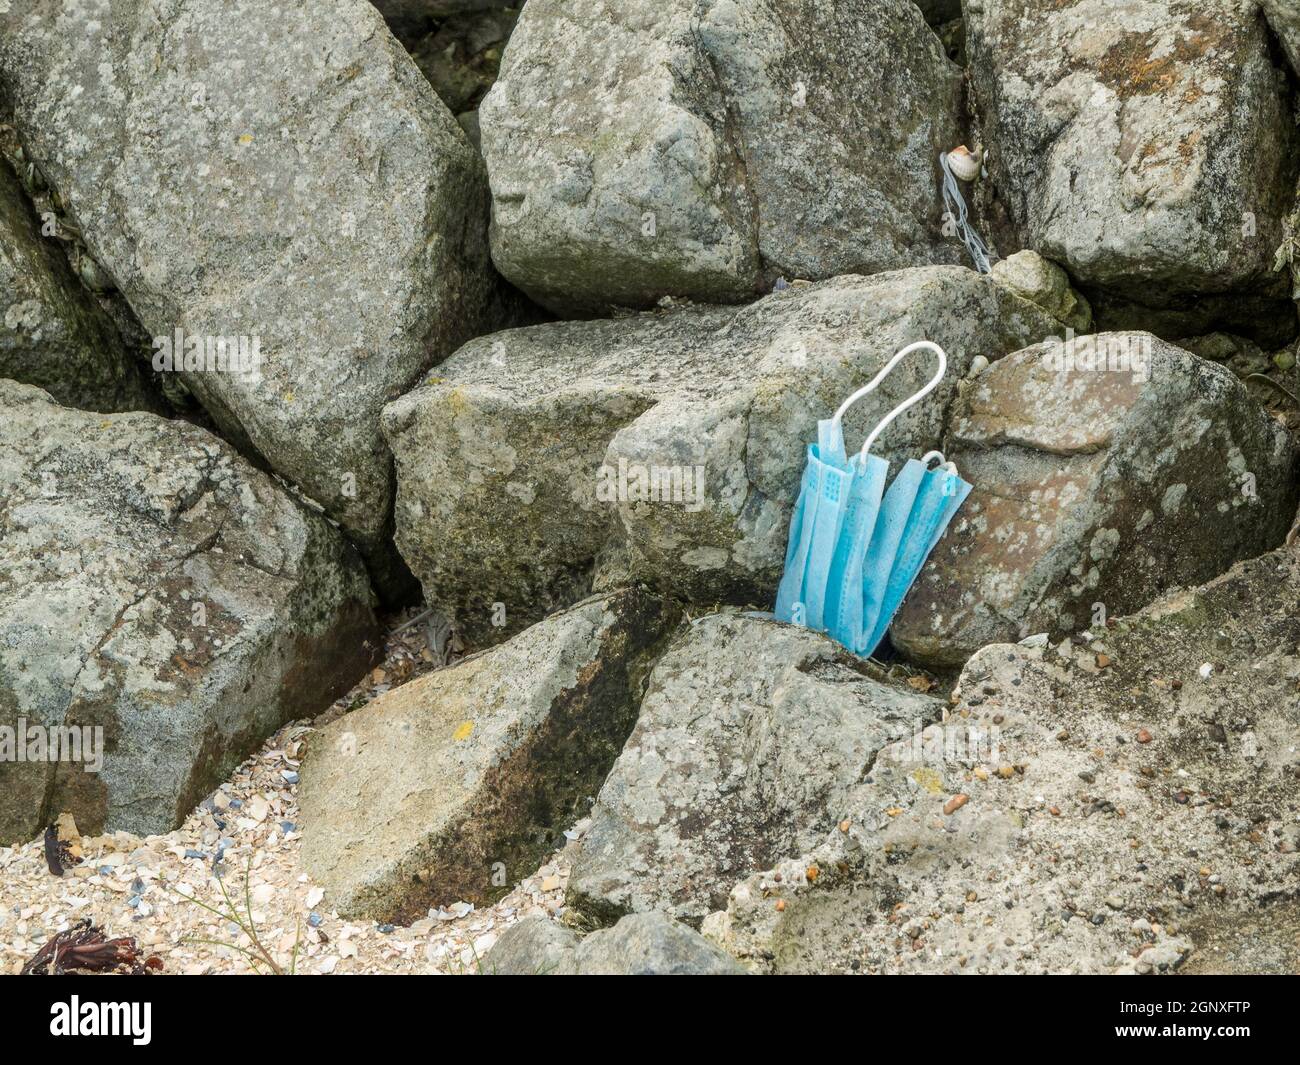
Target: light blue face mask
pixel 854 548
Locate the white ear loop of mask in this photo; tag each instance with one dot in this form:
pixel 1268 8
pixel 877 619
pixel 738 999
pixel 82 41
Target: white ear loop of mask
pixel 944 464
pixel 956 207
pixel 871 386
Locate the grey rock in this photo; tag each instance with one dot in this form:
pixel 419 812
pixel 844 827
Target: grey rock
pixel 1190 824
pixel 1221 347
pixel 237 173
pixel 1042 282
pixel 1095 488
pixel 751 736
pixel 1149 148
pixel 703 149
pixel 535 946
pixel 454 786
pixel 652 944
pixel 645 944
pixel 52 332
pixel 154 584
pixel 510 488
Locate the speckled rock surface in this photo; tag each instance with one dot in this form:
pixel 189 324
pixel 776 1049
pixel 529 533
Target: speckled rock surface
pixel 154 584
pixel 1095 490
pixel 643 944
pixel 702 148
pixel 285 174
pixel 52 333
pixel 1108 820
pixel 751 736
pixel 524 464
pixel 454 786
pixel 1146 145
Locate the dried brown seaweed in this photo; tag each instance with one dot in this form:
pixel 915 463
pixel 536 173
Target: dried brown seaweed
pixel 84 947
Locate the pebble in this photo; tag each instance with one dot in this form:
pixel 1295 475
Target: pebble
pixel 955 803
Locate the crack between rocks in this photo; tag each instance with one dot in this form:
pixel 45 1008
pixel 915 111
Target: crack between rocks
pixel 737 145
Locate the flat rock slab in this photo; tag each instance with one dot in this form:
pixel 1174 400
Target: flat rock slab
pixel 703 149
pixel 750 738
pixel 666 447
pixel 1106 470
pixel 52 332
pixel 295 180
pixel 157 587
pixel 1147 146
pixel 456 785
pixel 643 944
pixel 1079 820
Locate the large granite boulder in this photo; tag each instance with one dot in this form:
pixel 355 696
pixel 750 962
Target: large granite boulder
pixel 751 736
pixel 52 332
pixel 1073 818
pixel 1106 469
pixel 669 446
pixel 157 588
pixel 1149 147
pixel 703 149
pixel 643 944
pixel 292 181
pixel 455 786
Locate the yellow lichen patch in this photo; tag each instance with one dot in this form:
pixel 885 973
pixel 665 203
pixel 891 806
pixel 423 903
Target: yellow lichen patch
pixel 457 402
pixel 462 733
pixel 929 780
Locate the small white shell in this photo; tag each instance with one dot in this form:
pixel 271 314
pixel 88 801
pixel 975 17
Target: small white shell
pixel 964 163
